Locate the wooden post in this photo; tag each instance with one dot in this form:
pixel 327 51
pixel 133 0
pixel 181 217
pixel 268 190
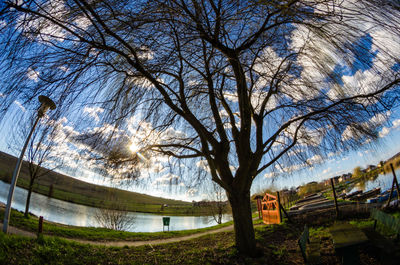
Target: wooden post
pixel 280 206
pixel 285 213
pixel 259 207
pixel 334 197
pixel 40 228
pixel 393 183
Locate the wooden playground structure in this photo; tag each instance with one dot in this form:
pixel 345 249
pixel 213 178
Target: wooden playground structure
pixel 270 209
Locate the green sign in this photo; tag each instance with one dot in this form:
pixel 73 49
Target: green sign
pixel 166 220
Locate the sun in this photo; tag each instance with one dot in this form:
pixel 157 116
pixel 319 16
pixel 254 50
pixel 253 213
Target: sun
pixel 134 148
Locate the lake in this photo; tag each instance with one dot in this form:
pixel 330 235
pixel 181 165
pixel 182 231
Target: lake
pixel 382 181
pixel 79 215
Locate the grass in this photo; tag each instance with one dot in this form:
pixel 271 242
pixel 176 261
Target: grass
pixel 218 248
pixel 96 234
pixel 277 244
pixel 382 229
pixel 48 250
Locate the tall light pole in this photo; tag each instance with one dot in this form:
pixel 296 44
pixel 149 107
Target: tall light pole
pixel 46 103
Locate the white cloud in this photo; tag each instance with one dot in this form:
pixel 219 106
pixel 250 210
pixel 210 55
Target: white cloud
pixel 40 29
pixel 385 131
pixel 380 118
pixel 203 164
pixel 63 68
pixel 168 179
pixel 191 192
pixel 82 22
pixel 16 102
pixel 271 175
pixel 145 53
pixel 305 136
pixel 32 74
pixel 396 123
pixel 316 159
pixel 231 97
pixel 290 168
pixel 325 171
pixel 351 132
pixel 93 112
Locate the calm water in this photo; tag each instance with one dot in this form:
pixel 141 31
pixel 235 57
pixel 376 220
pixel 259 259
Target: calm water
pixel 382 181
pixel 79 215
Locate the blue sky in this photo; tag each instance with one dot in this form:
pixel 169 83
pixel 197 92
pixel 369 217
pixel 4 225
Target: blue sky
pixel 385 147
pixel 370 66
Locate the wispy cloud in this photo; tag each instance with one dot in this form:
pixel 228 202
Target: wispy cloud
pixel 32 74
pixel 16 102
pixel 94 112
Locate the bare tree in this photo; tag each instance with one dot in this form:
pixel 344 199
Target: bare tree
pixel 42 156
pixel 218 204
pixel 111 218
pixel 246 87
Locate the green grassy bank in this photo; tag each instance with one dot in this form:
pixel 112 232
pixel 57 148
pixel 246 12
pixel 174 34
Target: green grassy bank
pixel 95 234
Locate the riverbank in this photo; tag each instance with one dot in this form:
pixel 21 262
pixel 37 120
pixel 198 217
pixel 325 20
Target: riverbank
pixel 95 233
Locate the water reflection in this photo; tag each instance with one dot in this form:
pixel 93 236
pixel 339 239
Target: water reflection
pixel 79 215
pixel 383 181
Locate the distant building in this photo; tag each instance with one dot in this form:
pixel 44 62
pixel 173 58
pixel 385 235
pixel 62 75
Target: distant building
pixel 345 177
pixel 336 180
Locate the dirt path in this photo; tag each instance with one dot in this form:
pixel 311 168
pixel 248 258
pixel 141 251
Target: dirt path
pixel 17 231
pixel 152 242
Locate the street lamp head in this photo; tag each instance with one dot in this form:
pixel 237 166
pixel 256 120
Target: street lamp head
pixel 46 103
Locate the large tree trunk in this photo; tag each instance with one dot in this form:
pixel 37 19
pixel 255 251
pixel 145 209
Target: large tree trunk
pixel 243 224
pixel 28 198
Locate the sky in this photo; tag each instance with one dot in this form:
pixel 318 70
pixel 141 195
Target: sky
pixel 356 75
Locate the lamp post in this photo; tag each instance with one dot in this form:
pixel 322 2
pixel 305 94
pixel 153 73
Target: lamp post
pixel 46 103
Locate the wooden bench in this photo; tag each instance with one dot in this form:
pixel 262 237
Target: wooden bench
pixel 386 246
pixel 309 250
pixel 347 240
pixel 387 220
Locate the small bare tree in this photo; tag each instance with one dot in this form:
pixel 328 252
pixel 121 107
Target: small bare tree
pixel 119 220
pixel 218 204
pixel 41 155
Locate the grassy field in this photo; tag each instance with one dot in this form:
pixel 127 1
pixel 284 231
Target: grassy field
pixel 69 189
pixel 275 244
